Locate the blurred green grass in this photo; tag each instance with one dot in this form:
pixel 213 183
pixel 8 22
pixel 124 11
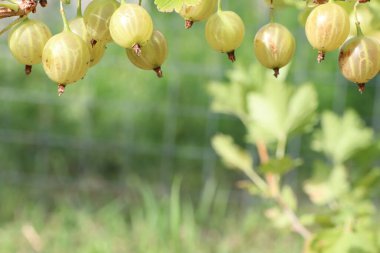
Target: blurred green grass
pixel 95 216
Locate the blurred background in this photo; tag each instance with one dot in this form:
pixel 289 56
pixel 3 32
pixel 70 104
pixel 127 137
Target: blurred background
pixel 122 162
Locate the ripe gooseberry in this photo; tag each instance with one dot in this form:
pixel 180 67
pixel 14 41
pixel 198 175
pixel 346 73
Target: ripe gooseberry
pixel 274 46
pixel 198 12
pixel 97 17
pixel 327 27
pixel 359 59
pixel 225 32
pixel 153 54
pixel 78 27
pixel 27 40
pixel 131 26
pixel 65 57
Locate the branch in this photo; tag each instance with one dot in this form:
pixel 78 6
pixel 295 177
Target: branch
pixel 297 226
pixel 24 8
pixel 270 177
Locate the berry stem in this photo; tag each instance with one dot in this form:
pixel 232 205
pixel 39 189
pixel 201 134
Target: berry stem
pixel 61 89
pixel 188 23
pixel 28 69
pixel 158 71
pixel 8 27
pixel 276 72
pixel 271 11
pixel 357 23
pixel 12 6
pixel 137 49
pixel 361 87
pixel 66 26
pixel 43 3
pixel 23 8
pixel 219 5
pixel 231 55
pixel 321 56
pixel 140 1
pixel 79 8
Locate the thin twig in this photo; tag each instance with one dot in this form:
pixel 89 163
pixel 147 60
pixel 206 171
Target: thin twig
pixel 25 7
pixel 270 177
pixel 297 226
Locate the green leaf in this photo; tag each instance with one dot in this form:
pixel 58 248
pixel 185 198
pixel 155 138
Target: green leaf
pixel 301 109
pixel 251 78
pixel 367 183
pixel 340 241
pixel 322 191
pixel 341 138
pixel 233 156
pixel 280 166
pixel 173 5
pixel 280 110
pixel 229 99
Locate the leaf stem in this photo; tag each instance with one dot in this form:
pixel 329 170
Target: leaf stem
pixel 256 179
pixel 281 148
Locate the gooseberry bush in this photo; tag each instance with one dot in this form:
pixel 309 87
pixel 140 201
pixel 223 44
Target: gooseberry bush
pixel 271 110
pixel 341 216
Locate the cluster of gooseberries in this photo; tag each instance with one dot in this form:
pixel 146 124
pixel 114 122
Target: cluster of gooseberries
pixel 67 56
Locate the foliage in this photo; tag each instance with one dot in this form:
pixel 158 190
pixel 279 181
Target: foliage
pixel 343 220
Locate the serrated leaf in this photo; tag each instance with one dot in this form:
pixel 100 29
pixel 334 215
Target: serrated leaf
pixel 267 110
pixel 251 78
pixel 279 110
pixel 280 166
pixel 324 191
pixel 342 137
pixel 173 5
pixel 301 109
pixel 227 98
pixel 233 156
